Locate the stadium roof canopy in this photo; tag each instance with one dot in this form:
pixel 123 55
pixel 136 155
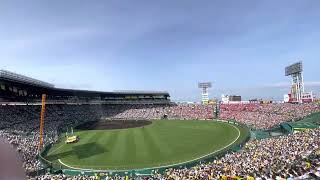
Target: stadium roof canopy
pixel 77 91
pixel 7 75
pixel 140 92
pixel 34 86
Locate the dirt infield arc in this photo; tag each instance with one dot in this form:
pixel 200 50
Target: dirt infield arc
pixel 112 124
pixel 160 144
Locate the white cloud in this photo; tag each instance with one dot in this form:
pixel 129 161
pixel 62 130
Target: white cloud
pixel 312 83
pixel 287 84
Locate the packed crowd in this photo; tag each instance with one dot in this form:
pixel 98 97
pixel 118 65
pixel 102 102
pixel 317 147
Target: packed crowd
pixel 19 125
pixel 190 111
pixel 183 111
pixel 265 116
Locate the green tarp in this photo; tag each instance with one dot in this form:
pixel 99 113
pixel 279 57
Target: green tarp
pixel 310 122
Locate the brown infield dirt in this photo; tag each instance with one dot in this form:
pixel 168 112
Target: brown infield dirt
pixel 112 124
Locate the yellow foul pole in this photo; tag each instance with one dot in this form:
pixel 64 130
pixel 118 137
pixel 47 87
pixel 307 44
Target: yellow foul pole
pixel 43 109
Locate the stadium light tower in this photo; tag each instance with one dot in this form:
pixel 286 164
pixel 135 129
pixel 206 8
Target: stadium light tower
pixel 205 94
pixel 297 84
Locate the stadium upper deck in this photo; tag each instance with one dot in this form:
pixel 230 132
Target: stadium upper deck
pixel 18 88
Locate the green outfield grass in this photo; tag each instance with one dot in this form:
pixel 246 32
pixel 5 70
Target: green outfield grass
pixel 164 142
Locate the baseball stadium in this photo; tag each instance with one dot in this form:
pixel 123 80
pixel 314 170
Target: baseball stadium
pixel 159 90
pixel 78 134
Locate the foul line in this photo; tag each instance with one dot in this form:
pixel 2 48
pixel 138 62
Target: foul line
pixel 55 150
pixel 239 133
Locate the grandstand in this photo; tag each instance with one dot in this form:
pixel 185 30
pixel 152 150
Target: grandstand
pixel 150 137
pixel 19 88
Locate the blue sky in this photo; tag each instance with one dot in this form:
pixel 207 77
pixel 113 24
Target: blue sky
pixel 240 46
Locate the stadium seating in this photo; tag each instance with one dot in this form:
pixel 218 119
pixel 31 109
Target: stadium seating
pixel 296 155
pixel 265 116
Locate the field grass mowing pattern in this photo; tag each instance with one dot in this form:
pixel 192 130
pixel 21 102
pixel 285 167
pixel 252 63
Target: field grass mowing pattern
pixel 164 142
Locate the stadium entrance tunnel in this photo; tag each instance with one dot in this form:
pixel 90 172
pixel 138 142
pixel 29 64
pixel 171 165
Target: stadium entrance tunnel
pixel 112 124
